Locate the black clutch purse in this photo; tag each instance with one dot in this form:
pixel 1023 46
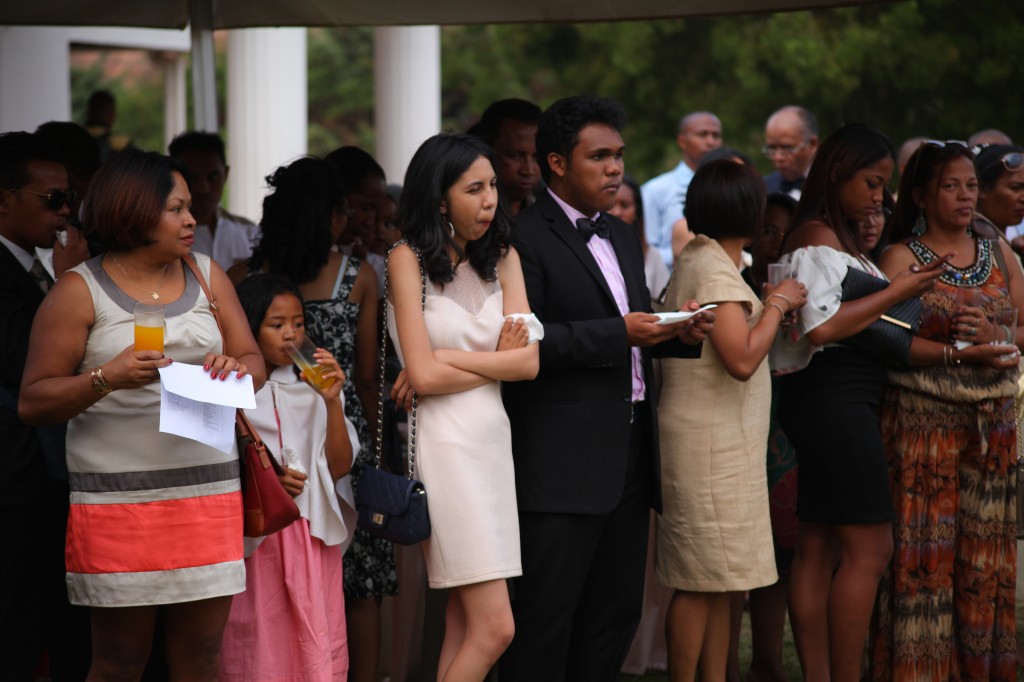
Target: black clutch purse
pixel 888 338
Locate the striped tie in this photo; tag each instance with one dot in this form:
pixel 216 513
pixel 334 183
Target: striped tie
pixel 40 275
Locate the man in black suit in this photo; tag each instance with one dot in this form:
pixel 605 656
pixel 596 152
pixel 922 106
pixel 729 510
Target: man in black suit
pixel 584 433
pixel 790 142
pixel 34 207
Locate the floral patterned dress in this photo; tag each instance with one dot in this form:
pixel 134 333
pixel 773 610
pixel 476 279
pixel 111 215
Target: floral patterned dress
pixel 946 608
pixel 369 569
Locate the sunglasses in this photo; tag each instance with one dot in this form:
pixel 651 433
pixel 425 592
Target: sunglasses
pixel 1013 161
pixel 56 199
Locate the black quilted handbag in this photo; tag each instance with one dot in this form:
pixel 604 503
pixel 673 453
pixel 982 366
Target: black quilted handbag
pixel 391 506
pixel 888 338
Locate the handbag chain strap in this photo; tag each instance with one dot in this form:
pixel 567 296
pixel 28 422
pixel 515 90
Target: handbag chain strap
pixel 383 351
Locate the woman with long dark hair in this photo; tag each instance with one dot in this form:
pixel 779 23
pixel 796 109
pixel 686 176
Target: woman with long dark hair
pixel 454 284
pixel 829 400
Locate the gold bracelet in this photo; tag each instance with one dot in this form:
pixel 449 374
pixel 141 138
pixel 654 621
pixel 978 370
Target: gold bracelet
pixel 99 382
pixel 777 307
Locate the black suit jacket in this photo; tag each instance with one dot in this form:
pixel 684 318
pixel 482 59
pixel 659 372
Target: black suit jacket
pixel 23 475
pixel 773 183
pixel 571 425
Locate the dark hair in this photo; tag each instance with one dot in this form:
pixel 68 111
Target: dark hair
pixel 725 199
pixel 77 148
pixel 100 104
pixel 513 109
pixel 258 291
pixel 727 153
pixel 17 150
pixel 198 141
pixel 127 198
pixel 924 165
pixel 629 181
pixel 434 168
pixel 295 228
pixel 988 164
pixel 559 128
pixel 782 200
pixel 355 166
pixel 843 153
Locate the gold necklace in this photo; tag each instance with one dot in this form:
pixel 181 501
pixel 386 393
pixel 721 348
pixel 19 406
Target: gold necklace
pixel 155 293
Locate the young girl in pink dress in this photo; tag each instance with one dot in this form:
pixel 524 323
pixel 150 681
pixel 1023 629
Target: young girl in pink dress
pixel 289 624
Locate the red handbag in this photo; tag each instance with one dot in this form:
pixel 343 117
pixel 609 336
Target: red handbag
pixel 267 507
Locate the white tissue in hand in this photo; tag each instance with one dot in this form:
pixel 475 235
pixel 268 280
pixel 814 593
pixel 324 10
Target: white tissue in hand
pixel 291 460
pixel 533 325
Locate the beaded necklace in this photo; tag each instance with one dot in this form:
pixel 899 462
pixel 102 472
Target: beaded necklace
pixel 973 275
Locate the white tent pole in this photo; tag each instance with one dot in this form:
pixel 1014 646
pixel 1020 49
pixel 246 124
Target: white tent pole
pixel 204 88
pixel 407 82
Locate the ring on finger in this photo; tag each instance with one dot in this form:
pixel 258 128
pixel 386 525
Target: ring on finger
pixel 974 331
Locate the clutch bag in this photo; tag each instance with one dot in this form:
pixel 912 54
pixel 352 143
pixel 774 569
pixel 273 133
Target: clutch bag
pixel 888 338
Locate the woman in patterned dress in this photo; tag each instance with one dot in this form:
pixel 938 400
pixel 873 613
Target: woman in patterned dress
pixel 946 608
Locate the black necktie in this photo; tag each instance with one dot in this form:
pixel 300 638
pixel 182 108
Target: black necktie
pixel 787 186
pixel 588 228
pixel 40 275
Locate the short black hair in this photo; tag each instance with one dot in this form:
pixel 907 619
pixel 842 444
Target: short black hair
pixel 725 199
pixel 559 128
pixel 17 150
pixel 257 292
pixel 77 148
pixel 512 109
pixel 355 166
pixel 727 153
pixel 197 141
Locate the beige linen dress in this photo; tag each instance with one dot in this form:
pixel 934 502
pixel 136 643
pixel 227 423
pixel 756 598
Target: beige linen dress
pixel 715 533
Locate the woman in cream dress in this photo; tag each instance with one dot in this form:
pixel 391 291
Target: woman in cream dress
pixel 714 535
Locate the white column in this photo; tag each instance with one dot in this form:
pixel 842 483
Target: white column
pixel 175 117
pixel 35 82
pixel 407 76
pixel 267 118
pixel 204 88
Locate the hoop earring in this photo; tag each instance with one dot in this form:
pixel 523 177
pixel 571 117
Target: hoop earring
pixel 919 225
pixel 451 229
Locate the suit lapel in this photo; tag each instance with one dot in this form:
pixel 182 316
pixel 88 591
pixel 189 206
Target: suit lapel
pixel 617 235
pixel 567 232
pixel 17 274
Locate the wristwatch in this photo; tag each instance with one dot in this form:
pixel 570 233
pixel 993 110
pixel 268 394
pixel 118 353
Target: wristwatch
pixel 99 382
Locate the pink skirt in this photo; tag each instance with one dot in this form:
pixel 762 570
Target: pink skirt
pixel 289 624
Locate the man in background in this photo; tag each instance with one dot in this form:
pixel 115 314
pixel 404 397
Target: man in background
pixel 664 196
pixel 509 127
pixel 790 142
pixel 224 237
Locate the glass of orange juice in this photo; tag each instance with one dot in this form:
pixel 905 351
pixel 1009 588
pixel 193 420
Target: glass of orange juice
pixel 149 326
pixel 302 355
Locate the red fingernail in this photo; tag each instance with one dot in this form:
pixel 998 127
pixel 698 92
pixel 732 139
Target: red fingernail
pixel 223 376
pixel 206 367
pixel 169 361
pixel 213 374
pixel 238 375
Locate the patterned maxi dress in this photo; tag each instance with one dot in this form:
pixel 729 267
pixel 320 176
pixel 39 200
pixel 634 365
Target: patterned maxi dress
pixel 369 569
pixel 946 608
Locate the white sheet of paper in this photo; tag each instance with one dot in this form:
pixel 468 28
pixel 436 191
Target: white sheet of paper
pixel 192 405
pixel 676 316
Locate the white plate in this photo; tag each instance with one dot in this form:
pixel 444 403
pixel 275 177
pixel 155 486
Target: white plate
pixel 672 318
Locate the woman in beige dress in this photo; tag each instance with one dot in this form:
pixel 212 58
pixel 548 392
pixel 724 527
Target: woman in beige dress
pixel 714 535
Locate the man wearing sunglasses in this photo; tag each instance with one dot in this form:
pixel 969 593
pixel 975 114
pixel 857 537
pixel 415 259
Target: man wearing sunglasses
pixel 790 142
pixel 34 208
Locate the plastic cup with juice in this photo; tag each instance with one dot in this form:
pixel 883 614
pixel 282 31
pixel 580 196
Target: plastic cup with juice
pixel 302 355
pixel 149 326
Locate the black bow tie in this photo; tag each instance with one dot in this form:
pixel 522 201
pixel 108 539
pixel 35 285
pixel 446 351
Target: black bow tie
pixel 787 186
pixel 588 228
